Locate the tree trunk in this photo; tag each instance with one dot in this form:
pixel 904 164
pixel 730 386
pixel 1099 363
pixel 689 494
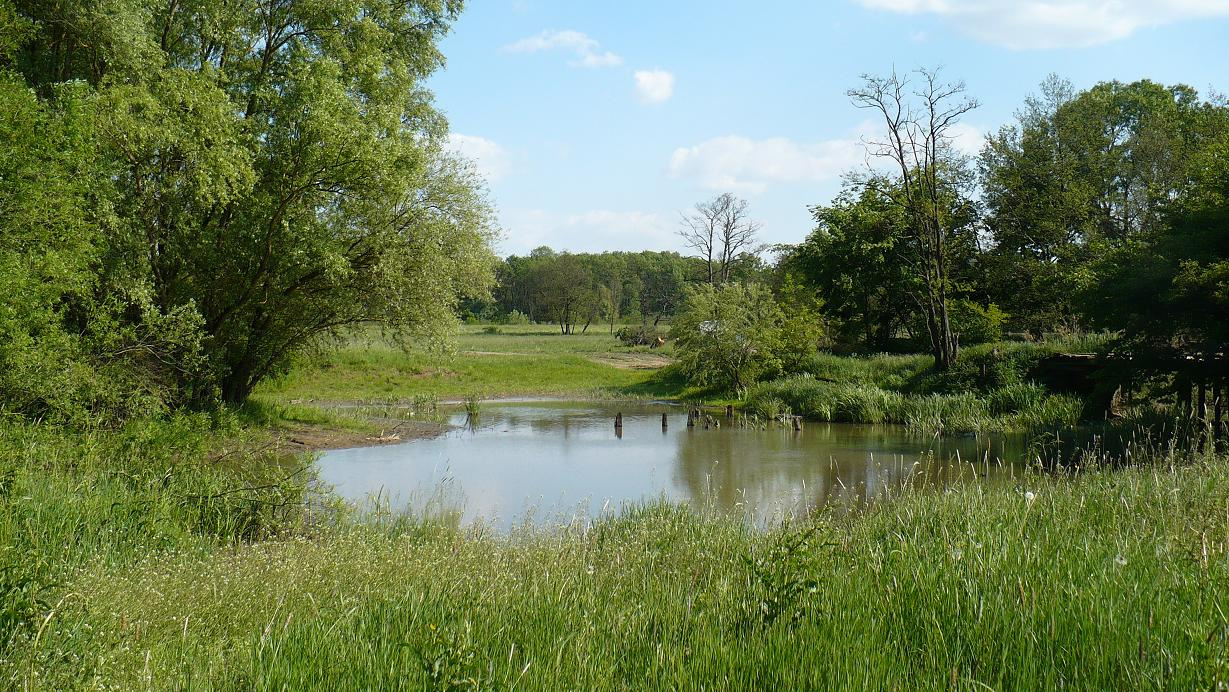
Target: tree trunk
pixel 236 388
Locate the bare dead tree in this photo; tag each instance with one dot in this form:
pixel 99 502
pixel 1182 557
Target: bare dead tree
pixel 718 230
pixel 919 129
pixel 699 230
pixel 736 231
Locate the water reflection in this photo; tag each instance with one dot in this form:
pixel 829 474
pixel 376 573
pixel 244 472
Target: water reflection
pixel 550 461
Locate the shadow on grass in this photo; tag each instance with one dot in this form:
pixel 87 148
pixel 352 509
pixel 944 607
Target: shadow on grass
pixel 669 383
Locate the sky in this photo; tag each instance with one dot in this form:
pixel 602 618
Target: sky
pixel 597 124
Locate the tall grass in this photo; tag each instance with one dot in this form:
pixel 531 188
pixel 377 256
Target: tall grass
pixel 1020 407
pixel 1103 580
pixel 107 498
pixel 987 390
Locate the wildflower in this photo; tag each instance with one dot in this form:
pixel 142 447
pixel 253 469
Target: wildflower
pixel 1029 497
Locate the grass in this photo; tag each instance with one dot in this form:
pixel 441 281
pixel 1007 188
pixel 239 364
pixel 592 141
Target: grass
pixel 988 390
pixel 184 553
pixel 533 360
pixel 1020 407
pixel 1105 579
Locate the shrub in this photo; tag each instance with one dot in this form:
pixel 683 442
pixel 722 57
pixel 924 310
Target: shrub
pixel 975 324
pixel 639 336
pixel 728 336
pixel 516 317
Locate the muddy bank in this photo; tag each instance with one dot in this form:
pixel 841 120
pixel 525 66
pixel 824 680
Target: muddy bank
pixel 383 431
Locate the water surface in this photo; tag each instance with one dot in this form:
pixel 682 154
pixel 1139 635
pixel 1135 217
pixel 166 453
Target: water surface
pixel 552 461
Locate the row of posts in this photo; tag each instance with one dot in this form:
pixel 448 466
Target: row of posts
pixel 696 417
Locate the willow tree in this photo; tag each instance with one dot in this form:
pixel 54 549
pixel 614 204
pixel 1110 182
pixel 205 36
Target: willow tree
pixel 919 124
pixel 278 166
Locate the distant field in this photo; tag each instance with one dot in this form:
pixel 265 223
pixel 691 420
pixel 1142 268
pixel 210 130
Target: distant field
pixel 517 360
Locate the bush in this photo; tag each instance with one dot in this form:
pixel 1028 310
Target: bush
pixel 639 336
pixel 516 317
pixel 975 324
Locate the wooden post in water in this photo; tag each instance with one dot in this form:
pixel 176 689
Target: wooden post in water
pixel 664 423
pixel 729 410
pixel 797 423
pixel 618 421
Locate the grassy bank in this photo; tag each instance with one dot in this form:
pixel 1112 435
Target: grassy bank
pixel 153 557
pixel 990 389
pixel 532 360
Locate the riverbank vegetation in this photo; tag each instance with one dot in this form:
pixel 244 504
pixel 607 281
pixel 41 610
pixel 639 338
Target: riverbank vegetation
pixel 153 557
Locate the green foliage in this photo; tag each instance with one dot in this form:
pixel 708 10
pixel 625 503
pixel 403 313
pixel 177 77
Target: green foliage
pixel 857 262
pixel 780 580
pixel 728 336
pixel 115 497
pixel 990 388
pixel 1168 290
pixel 204 205
pixel 1081 175
pixel 609 285
pixel 974 324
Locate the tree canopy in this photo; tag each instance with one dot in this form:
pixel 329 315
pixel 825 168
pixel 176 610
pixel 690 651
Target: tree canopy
pixel 260 174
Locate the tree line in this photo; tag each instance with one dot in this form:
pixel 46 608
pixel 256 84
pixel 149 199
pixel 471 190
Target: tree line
pixel 579 290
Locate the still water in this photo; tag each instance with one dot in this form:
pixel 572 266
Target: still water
pixel 548 462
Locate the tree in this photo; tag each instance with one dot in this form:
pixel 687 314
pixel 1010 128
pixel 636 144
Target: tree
pixel 278 167
pixel 858 261
pixel 1077 176
pixel 728 336
pixel 919 128
pixel 1168 289
pixel 720 230
pixel 567 293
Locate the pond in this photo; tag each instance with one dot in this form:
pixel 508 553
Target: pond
pixel 546 462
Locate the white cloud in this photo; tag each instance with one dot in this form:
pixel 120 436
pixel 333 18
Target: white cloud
pixel 1041 24
pixel 587 51
pixel 489 158
pixel 654 86
pixel 747 165
pixel 967 139
pixel 588 231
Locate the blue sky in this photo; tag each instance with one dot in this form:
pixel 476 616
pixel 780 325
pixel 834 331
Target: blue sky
pixel 597 123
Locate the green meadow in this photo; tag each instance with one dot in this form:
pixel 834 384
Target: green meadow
pixel 486 361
